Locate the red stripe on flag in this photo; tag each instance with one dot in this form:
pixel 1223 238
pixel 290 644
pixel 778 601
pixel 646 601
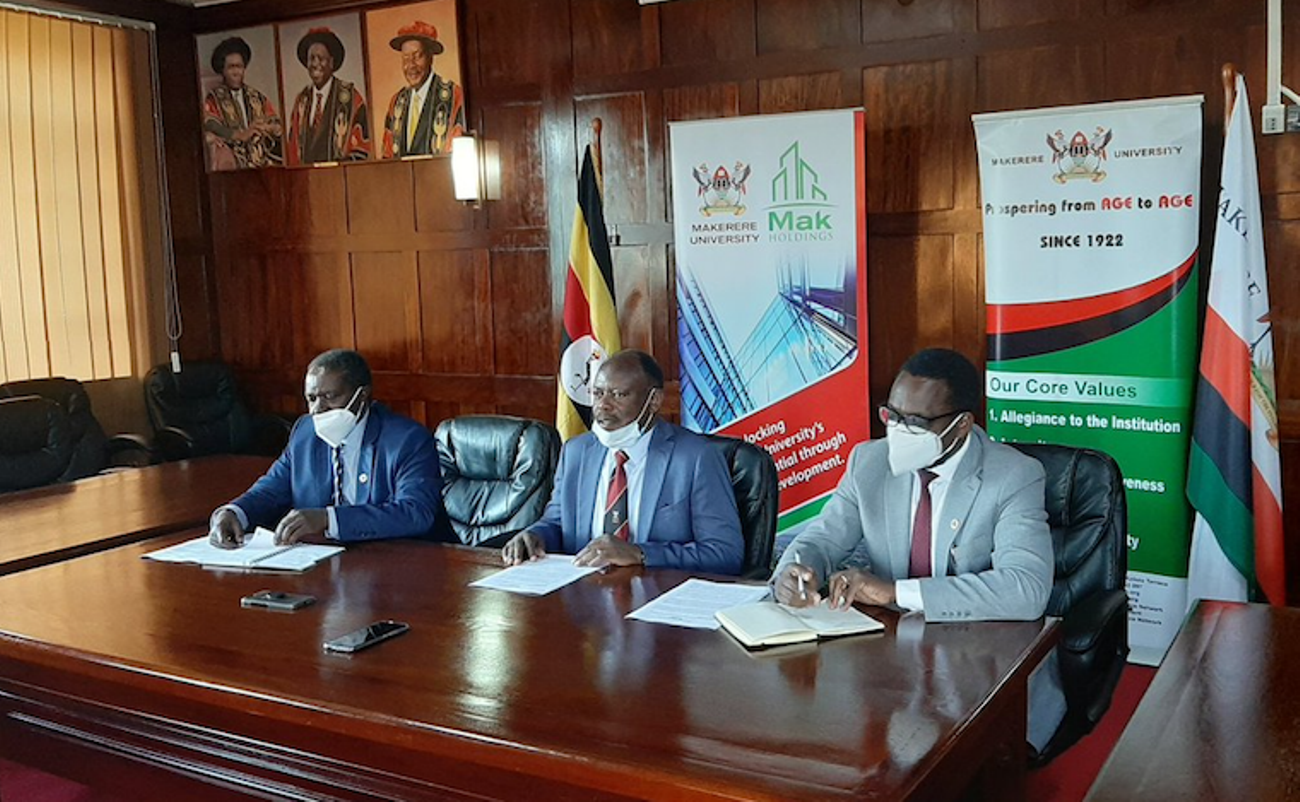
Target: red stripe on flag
pixel 1011 318
pixel 1225 363
pixel 577 312
pixel 1270 554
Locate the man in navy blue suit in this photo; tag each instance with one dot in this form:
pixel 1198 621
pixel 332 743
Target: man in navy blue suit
pixel 637 490
pixel 352 470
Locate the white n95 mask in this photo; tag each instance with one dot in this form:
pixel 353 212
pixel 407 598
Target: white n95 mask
pixel 334 425
pixel 910 450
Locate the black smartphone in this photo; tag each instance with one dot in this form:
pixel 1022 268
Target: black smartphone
pixel 277 600
pixel 365 637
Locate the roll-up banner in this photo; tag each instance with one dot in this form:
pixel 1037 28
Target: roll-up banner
pixel 1091 216
pixel 769 219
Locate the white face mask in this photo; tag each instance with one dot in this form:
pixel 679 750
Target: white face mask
pixel 623 437
pixel 334 425
pixel 911 450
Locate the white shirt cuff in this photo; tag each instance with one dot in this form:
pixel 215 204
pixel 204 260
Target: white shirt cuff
pixel 332 531
pixel 907 594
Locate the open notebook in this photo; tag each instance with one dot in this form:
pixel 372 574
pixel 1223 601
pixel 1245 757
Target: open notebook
pixel 766 623
pixel 258 552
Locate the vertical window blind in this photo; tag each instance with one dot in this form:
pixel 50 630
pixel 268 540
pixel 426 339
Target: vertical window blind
pixel 71 220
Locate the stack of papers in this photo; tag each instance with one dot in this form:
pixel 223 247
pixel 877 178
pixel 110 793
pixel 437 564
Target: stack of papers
pixel 695 602
pixel 536 577
pixel 258 552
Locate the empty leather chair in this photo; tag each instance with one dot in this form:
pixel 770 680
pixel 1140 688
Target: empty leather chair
pixel 1088 516
pixel 92 450
pixel 497 474
pixel 35 442
pixel 753 479
pixel 198 412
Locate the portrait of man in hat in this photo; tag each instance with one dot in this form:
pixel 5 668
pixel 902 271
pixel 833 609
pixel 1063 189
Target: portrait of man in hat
pixel 241 126
pixel 329 120
pixel 424 115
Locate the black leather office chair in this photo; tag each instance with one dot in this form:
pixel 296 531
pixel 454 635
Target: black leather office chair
pixel 497 474
pixel 198 412
pixel 35 442
pixel 753 479
pixel 92 450
pixel 1088 514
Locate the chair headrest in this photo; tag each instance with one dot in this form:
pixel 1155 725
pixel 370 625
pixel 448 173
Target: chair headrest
pixel 492 447
pixel 201 392
pixel 30 423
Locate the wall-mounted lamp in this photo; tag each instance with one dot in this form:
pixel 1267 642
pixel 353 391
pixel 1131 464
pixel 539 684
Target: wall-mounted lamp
pixel 475 169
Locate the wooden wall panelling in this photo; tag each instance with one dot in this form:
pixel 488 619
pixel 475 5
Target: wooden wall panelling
pixel 1019 13
pixel 525 333
pixel 322 302
pixel 910 302
pixel 315 203
pixel 456 311
pixel 381 200
pixel 514 40
pixel 788 25
pixel 914 118
pixel 436 207
pixel 386 308
pixel 611 38
pixel 624 146
pixel 1183 63
pixel 1282 254
pixel 518 128
pixel 892 22
pixel 1041 76
pixel 821 90
pixel 717 30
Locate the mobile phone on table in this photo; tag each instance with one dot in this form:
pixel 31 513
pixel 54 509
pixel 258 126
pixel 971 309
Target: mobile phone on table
pixel 365 637
pixel 277 600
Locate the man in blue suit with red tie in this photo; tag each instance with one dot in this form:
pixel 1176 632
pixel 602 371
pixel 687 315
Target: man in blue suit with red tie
pixel 637 490
pixel 352 470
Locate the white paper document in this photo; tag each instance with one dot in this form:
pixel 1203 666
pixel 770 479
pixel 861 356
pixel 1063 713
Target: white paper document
pixel 259 552
pixel 694 602
pixel 536 577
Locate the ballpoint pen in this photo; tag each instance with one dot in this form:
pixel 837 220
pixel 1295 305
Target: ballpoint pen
pixel 799 575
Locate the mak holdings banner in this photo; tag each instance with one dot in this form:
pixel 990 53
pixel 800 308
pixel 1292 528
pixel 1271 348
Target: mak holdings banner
pixel 1091 217
pixel 770 237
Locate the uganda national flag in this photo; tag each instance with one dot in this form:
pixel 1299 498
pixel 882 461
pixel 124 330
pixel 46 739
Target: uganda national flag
pixel 590 318
pixel 1234 477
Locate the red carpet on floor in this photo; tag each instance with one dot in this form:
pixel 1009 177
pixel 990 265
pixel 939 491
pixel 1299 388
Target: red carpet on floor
pixel 1068 778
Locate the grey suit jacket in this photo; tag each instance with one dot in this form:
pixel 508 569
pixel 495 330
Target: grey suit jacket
pixel 992 526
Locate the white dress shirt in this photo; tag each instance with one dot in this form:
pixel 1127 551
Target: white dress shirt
pixel 635 470
pixel 907 592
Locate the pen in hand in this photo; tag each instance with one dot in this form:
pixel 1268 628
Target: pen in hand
pixel 799 575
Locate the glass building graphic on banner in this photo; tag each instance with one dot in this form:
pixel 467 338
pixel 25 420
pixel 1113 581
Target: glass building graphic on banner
pixel 807 332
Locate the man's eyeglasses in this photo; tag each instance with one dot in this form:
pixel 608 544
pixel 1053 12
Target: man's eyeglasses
pixel 890 415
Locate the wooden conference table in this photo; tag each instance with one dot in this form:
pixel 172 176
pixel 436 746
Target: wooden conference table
pixel 149 680
pixel 1221 719
pixel 57 522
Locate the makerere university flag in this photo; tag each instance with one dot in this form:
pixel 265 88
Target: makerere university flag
pixel 1234 476
pixel 590 319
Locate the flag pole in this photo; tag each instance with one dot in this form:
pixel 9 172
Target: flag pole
pixel 597 159
pixel 1229 93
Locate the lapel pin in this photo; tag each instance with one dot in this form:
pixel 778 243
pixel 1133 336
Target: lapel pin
pixel 363 478
pixel 955 523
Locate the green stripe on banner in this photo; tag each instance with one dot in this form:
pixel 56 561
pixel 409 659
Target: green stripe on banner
pixel 1232 522
pixel 802 514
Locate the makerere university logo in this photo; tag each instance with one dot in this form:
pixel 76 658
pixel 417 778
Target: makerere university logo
pixel 1081 157
pixel 723 191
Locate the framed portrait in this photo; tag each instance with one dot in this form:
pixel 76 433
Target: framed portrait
pixel 415 78
pixel 323 80
pixel 240 87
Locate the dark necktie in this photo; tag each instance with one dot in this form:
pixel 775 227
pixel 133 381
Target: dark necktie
pixel 616 501
pixel 338 476
pixel 317 111
pixel 919 565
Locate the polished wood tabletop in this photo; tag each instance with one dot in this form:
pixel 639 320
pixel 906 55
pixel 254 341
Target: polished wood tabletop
pixel 1221 720
pixel 132 675
pixel 61 521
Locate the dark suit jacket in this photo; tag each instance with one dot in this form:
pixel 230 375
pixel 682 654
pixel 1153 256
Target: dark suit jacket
pixel 687 517
pixel 400 497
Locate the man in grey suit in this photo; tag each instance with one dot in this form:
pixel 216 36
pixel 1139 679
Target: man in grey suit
pixel 637 490
pixel 936 518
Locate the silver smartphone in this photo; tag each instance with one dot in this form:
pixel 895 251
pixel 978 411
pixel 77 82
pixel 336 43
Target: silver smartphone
pixel 365 637
pixel 277 600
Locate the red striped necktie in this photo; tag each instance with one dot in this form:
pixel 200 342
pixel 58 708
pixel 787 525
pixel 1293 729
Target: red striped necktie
pixel 616 522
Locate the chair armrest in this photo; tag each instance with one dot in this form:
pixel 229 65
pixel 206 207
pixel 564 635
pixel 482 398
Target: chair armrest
pixel 270 435
pixel 171 443
pixel 1089 620
pixel 129 450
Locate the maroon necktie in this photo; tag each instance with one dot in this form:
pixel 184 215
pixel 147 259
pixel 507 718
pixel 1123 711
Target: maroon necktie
pixel 919 565
pixel 616 500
